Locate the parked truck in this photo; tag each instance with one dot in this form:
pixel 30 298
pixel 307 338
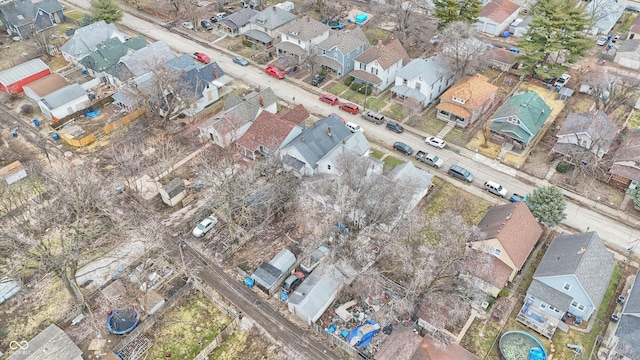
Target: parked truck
pixel 429 159
pixel 202 57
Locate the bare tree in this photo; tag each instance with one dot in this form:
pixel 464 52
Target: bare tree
pixel 43 39
pixel 402 12
pixel 464 51
pixel 612 90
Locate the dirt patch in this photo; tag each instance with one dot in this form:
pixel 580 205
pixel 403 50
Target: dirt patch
pixel 246 345
pixel 585 185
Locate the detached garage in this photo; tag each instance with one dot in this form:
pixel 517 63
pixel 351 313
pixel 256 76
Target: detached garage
pixel 496 16
pixel 12 80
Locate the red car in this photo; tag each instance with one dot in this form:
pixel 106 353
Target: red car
pixel 202 57
pixel 350 108
pixel 275 72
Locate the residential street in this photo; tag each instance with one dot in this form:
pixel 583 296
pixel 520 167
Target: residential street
pixel 580 215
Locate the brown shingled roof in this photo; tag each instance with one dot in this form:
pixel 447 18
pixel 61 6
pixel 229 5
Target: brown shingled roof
pixel 502 55
pixel 294 116
pixel 430 350
pixel 515 227
pixel 474 90
pixel 386 54
pixel 48 84
pixel 400 345
pixel 267 130
pixel 498 10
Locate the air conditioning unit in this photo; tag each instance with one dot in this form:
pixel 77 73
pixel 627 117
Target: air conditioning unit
pixel 484 305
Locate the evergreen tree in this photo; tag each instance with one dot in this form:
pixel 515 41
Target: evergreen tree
pixel 446 11
pixel 557 25
pixel 469 10
pixel 635 196
pixel 547 204
pixel 107 10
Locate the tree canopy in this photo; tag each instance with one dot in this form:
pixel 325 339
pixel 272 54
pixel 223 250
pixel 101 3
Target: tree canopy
pixel 547 204
pixel 635 196
pixel 557 28
pixel 448 11
pixel 107 10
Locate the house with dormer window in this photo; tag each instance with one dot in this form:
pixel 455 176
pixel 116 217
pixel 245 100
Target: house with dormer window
pixel 466 100
pixel 422 80
pixel 336 54
pixel 585 135
pixel 301 36
pixel 24 18
pixel 266 24
pixel 519 119
pixel 377 67
pixel 84 40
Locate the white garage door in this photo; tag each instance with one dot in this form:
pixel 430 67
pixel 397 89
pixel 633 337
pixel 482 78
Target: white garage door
pixel 490 28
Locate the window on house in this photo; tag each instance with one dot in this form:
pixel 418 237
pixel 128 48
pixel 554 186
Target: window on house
pixel 324 52
pixel 418 86
pixel 543 306
pixel 328 167
pixel 554 309
pixel 405 81
pixel 298 42
pixel 374 71
pixel 363 66
pixel 495 251
pixel 567 286
pixel 584 143
pixel 457 99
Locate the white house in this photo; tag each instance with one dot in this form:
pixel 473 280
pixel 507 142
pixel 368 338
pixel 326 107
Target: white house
pixel 422 80
pixel 301 36
pixel 85 40
pixel 421 180
pixel 64 102
pixel 496 16
pixel 377 66
pixel 584 135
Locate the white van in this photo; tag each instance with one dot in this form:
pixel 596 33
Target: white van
pixel 495 188
pixel 373 117
pixel 354 127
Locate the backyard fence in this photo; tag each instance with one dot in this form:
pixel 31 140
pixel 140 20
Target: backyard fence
pixel 339 343
pixel 224 334
pixel 90 138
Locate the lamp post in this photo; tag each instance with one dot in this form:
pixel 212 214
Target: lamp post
pixel 366 88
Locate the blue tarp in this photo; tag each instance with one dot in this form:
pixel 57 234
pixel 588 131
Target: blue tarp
pixel 536 354
pixel 362 335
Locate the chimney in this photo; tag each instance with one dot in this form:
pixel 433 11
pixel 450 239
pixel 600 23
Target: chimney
pixel 274 8
pixel 582 250
pixel 329 131
pixel 509 216
pixel 261 101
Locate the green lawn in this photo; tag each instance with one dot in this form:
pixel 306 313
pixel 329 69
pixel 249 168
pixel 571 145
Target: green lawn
pixel 375 104
pixel 75 15
pixel 449 197
pixel 376 154
pixel 428 123
pixel 338 88
pixel 480 337
pixel 394 111
pixel 391 162
pixel 457 137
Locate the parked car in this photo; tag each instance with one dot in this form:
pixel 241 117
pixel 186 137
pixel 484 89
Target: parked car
pixel 460 173
pixel 350 108
pixel 206 24
pixel 292 281
pixel 329 99
pixel 518 198
pixel 601 40
pixel 240 60
pixel 317 79
pixel 353 127
pixel 435 142
pixel 374 117
pixel 495 188
pixel 633 8
pixel 394 126
pixel 217 17
pixel 275 72
pixel 403 148
pixel 204 226
pixel 202 57
pixel 616 38
pixel 429 159
pixel 187 25
pixel 562 80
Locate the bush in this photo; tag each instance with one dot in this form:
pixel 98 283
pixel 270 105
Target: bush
pixel 323 72
pixel 26 109
pixel 354 86
pixel 13 96
pixel 247 43
pixel 348 80
pixel 503 293
pixel 564 167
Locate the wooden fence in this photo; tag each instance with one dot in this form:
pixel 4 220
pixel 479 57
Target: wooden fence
pixel 82 142
pixel 224 334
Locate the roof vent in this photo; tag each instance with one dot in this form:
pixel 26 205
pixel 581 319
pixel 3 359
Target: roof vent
pixel 582 250
pixel 329 131
pixel 302 138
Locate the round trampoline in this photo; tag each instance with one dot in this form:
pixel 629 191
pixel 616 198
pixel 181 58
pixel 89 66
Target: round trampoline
pixel 123 320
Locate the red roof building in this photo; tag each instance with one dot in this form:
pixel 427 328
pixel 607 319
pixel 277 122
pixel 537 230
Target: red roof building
pixel 12 80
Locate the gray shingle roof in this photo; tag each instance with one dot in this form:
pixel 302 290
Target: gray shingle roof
pixel 431 69
pixel 551 296
pixel 421 179
pixel 630 45
pixel 86 38
pixel 632 305
pixel 64 95
pixel 272 18
pixel 51 344
pixel 595 123
pixel 24 12
pixel 345 40
pixel 583 255
pixel 146 59
pixel 304 28
pixel 315 293
pixel 258 35
pixel 629 325
pixel 314 142
pixel 268 98
pixel 240 18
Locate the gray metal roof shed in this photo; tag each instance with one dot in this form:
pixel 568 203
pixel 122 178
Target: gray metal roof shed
pixel 51 344
pixel 316 293
pixel 269 274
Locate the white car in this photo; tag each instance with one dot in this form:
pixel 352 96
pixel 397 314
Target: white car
pixel 204 226
pixel 187 25
pixel 435 142
pixel 562 80
pixel 601 40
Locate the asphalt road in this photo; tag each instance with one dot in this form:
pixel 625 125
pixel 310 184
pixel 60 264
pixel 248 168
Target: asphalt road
pixel 299 342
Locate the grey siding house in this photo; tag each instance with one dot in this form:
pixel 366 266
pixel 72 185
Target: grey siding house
pixel 337 52
pixel 25 18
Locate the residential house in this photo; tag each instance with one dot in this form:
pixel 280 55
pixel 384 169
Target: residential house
pixel 296 116
pixel 140 62
pixel 625 171
pixel 266 135
pixel 421 181
pixel 51 344
pixel 301 36
pixel 628 54
pixel 401 344
pixel 198 84
pixel 269 275
pixel 13 172
pixel 337 53
pixel 12 80
pixel 520 118
pixel 25 18
pixel 239 113
pixel 422 80
pixel 316 293
pixel 377 66
pixel 605 14
pixel 519 27
pixel 266 24
pixel 626 338
pixel 496 16
pixel 584 135
pixel 48 84
pixel 501 59
pixel 510 234
pixel 571 278
pixel 85 40
pixel 634 30
pixel 108 53
pixel 237 23
pixel 64 102
pixel 466 100
pixel 316 149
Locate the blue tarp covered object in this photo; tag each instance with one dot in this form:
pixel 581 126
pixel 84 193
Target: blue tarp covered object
pixel 362 335
pixel 536 354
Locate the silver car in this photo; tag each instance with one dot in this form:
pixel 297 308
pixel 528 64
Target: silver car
pixel 204 226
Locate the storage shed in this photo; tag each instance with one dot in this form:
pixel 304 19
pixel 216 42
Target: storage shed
pixel 12 80
pixel 269 275
pixel 51 344
pixel 173 192
pixel 45 86
pixel 310 300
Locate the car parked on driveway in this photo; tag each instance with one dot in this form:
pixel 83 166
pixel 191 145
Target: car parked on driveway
pixel 206 24
pixel 403 148
pixel 292 281
pixel 350 108
pixel 187 25
pixel 240 60
pixel 601 40
pixel 562 80
pixel 435 142
pixel 394 126
pixel 204 226
pixel 317 79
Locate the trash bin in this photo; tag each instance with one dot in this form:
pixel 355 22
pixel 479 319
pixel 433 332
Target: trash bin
pixel 14 133
pixel 458 150
pixel 36 122
pixel 55 136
